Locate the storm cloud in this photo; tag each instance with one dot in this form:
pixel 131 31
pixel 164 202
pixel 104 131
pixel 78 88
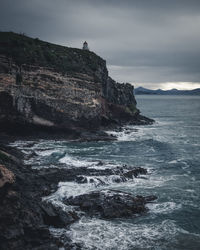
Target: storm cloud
pixel 145 42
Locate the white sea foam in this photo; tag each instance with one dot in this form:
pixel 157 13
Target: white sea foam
pixel 150 181
pixel 131 133
pixel 20 144
pixel 134 186
pixel 105 165
pixel 72 189
pixel 68 189
pixel 105 180
pixel 73 161
pixel 156 131
pixel 101 234
pixel 190 190
pixel 173 162
pixel 163 208
pixel 47 152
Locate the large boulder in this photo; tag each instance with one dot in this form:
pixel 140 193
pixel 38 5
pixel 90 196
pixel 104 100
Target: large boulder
pixel 58 216
pixel 110 203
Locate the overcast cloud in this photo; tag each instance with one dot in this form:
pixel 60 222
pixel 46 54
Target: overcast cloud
pixel 153 43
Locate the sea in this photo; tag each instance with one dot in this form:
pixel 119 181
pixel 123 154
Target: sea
pixel 169 149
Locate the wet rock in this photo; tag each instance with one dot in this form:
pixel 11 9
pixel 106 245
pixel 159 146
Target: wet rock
pixel 106 176
pixel 29 156
pixel 118 178
pixel 97 181
pixel 25 218
pixel 8 157
pixel 81 179
pixel 68 244
pixel 134 172
pixel 57 216
pixel 150 198
pixel 110 203
pixel 96 136
pixel 100 163
pixel 21 217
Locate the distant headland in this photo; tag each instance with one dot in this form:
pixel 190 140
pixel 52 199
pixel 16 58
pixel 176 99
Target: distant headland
pixel 144 91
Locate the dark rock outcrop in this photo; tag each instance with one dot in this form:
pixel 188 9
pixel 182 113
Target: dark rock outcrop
pixel 101 178
pixel 22 217
pixel 25 217
pixel 110 203
pixel 134 172
pixel 56 216
pixel 59 89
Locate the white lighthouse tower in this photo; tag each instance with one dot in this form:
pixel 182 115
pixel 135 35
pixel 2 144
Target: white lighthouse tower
pixel 85 46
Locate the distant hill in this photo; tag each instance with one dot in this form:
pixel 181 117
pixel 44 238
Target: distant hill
pixel 144 91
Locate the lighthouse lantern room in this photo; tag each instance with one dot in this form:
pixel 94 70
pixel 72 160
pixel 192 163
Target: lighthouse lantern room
pixel 85 46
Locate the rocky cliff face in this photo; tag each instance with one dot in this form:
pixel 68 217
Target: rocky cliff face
pixel 56 87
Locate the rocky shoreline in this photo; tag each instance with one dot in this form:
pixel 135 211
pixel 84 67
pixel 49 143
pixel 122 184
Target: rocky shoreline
pixel 52 92
pixel 27 210
pixel 9 133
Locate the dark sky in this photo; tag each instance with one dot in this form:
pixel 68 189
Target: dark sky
pixel 153 43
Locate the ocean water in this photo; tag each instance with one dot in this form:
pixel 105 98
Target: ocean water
pixel 170 151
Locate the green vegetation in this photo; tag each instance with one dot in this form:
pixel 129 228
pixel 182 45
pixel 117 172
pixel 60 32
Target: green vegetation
pixel 25 50
pixel 3 156
pixel 132 108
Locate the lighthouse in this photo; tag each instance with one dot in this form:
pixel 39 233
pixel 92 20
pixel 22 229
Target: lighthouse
pixel 85 46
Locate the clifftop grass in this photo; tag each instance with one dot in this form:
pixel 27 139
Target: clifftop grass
pixel 25 50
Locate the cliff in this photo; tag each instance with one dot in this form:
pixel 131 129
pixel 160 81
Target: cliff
pixel 58 88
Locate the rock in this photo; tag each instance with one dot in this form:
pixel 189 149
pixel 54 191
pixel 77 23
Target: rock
pixel 87 179
pixel 21 217
pixel 150 198
pixel 110 203
pixel 6 176
pixel 100 163
pixel 103 177
pixel 25 218
pixel 81 179
pixel 6 156
pixel 58 216
pixel 96 136
pixel 134 172
pixel 67 242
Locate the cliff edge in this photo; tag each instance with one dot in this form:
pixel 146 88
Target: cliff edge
pixel 57 88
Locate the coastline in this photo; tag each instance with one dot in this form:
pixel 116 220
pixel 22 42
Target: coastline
pixel 69 98
pixel 26 216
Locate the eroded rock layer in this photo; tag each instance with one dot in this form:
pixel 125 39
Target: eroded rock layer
pixel 60 88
